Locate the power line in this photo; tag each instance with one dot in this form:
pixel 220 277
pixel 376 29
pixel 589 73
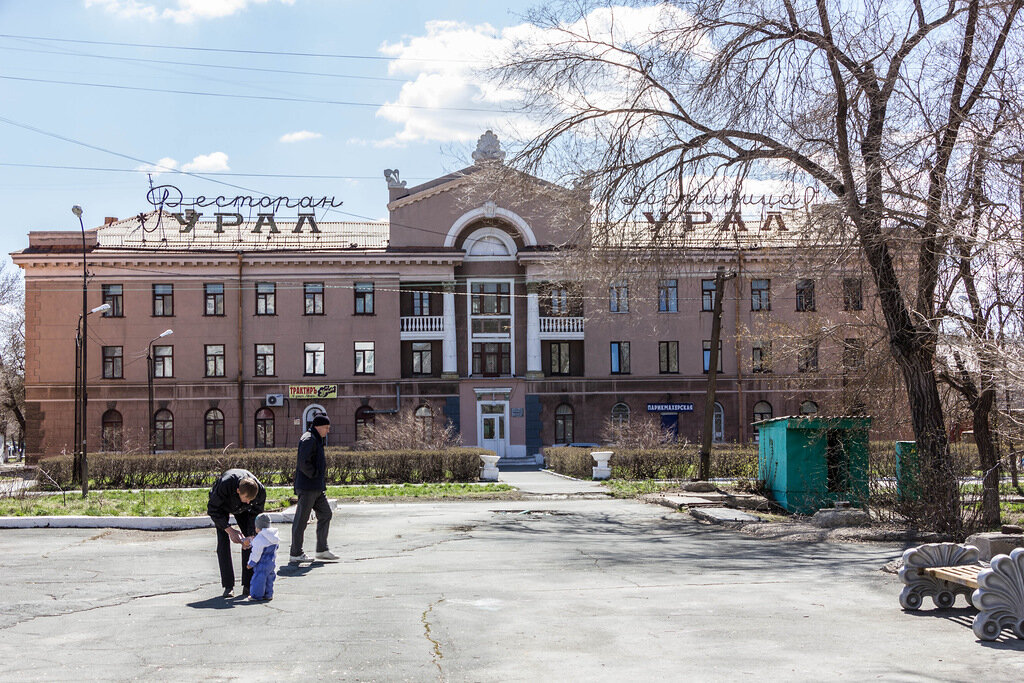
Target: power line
pixel 271 98
pixel 207 173
pixel 191 48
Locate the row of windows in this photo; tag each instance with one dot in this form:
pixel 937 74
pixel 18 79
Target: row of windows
pixel 112 435
pixel 760 295
pixel 266 299
pixel 314 360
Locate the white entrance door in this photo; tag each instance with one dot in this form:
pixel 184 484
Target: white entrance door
pixel 493 427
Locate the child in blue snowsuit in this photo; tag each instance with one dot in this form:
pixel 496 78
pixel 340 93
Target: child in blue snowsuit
pixel 263 559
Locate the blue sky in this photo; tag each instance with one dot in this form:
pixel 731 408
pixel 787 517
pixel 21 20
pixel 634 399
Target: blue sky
pixel 410 53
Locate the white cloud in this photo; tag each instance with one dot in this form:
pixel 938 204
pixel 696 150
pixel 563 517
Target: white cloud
pixel 447 68
pixel 179 11
pixel 299 136
pixel 162 166
pixel 207 163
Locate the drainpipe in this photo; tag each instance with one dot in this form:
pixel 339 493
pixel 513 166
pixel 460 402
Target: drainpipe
pixel 241 385
pixel 741 412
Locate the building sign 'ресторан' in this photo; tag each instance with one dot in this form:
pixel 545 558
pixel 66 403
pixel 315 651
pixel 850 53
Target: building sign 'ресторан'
pixel 669 407
pixel 317 391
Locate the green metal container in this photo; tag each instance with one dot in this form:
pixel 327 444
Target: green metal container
pixel 908 471
pixel 809 462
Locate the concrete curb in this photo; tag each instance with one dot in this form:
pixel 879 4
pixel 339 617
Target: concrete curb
pixel 136 523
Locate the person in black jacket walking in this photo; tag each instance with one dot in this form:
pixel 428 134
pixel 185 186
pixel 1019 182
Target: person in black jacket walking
pixel 311 487
pixel 239 493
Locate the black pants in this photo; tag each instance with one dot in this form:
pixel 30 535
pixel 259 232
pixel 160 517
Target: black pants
pixel 311 500
pixel 247 525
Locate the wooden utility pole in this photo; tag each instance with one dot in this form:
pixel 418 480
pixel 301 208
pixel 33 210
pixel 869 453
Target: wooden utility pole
pixel 709 398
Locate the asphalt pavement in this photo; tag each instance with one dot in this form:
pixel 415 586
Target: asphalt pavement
pixel 539 590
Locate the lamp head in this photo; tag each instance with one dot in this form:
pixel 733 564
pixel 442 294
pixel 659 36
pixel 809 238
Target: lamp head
pixel 77 210
pixel 165 333
pixel 101 309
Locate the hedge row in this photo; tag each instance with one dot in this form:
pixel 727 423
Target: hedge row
pixel 665 463
pixel 188 469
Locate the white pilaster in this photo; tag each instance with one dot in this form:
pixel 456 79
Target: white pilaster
pixel 449 353
pixel 533 366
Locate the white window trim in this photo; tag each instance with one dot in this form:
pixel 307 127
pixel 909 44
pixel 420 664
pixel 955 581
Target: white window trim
pixel 491 338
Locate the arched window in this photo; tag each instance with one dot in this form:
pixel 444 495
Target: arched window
pixel 113 434
pixel 620 415
pixel 364 418
pixel 425 423
pixel 264 428
pixel 808 408
pixel 564 424
pixel 762 411
pixel 163 430
pixel 214 428
pixel 718 432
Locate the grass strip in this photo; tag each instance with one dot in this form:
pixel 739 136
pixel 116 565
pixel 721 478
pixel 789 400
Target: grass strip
pixel 192 502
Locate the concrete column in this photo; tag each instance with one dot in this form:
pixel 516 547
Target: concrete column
pixel 449 352
pixel 533 364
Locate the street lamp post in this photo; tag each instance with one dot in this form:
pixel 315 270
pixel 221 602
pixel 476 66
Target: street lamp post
pixel 80 466
pixel 84 461
pixel 149 373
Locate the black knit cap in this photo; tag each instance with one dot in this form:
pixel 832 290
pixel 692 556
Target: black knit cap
pixel 320 420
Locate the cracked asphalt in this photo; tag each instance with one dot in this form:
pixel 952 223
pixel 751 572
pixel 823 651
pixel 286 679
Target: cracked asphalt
pixel 548 590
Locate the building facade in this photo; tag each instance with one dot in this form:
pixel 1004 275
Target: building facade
pixel 459 306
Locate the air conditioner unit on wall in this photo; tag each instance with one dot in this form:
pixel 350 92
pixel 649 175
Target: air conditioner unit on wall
pixel 275 399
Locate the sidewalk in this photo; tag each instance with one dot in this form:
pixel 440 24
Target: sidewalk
pixel 546 483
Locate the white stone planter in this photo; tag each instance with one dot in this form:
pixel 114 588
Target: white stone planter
pixel 490 469
pixel 601 468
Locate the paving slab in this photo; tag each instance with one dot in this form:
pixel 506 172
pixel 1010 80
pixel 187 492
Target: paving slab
pixel 723 515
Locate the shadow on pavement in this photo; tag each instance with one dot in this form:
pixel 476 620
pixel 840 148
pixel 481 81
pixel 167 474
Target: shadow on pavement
pixel 298 569
pixel 213 603
pixel 964 617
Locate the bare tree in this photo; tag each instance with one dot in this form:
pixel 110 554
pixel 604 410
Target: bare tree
pixel 12 351
pixel 866 102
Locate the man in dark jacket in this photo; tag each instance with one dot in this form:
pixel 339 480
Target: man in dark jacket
pixel 311 487
pixel 238 493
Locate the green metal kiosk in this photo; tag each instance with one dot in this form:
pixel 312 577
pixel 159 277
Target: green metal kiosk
pixel 809 462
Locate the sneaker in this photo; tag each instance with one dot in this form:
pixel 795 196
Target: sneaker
pixel 327 556
pixel 295 559
pixel 229 592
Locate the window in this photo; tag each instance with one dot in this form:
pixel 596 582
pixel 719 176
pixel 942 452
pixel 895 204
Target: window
pixel 112 362
pixel 163 361
pixel 668 357
pixel 620 415
pixel 420 303
pixel 492 359
pixel 805 295
pixel 760 295
pixel 707 356
pixel 214 299
pixel 364 298
pixel 424 417
pixel 163 300
pixel 564 424
pixel 113 295
pixel 559 358
pixel 668 296
pixel 807 357
pixel 214 428
pixel 265 360
pixel 559 301
pixel 214 360
pixel 266 298
pixel 490 310
pixel 112 438
pixel 808 408
pixel 718 423
pixel 163 430
pixel 264 428
pixel 761 356
pixel 421 357
pixel 314 358
pixel 707 295
pixel 762 411
pixel 618 297
pixel 620 357
pixel 853 352
pixel 853 294
pixel 314 298
pixel 364 419
pixel 364 358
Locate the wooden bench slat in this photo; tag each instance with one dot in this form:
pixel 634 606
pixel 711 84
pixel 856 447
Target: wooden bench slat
pixel 964 575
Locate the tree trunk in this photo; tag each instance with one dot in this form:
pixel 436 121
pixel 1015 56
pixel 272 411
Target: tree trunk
pixel 990 469
pixel 939 483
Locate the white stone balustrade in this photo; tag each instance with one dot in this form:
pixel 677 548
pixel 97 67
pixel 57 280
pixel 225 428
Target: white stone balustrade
pixel 561 327
pixel 490 468
pixel 422 323
pixel 601 468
